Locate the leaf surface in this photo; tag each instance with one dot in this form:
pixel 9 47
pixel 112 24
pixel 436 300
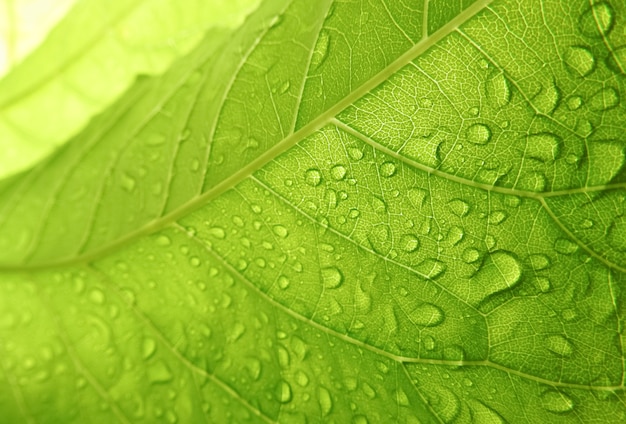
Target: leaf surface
pixel 359 212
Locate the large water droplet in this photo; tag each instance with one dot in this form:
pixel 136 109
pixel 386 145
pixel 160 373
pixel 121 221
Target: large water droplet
pixel 499 272
pixel 544 146
pixel 597 21
pixel 331 277
pixel 560 345
pixel 547 99
pixel 478 134
pixel 557 402
pixel 280 231
pixel 427 315
pixel 604 99
pixel 580 60
pixel 148 348
pixel 321 49
pixel 326 401
pixel 338 172
pixel 283 392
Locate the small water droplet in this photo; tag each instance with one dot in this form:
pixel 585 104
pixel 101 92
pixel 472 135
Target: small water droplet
pixel 194 261
pixel 458 207
pixel 148 348
pixel 597 21
pixel 604 99
pixel 355 153
pixel 470 255
pixel 497 217
pixel 560 345
pixel 217 232
pixel 431 268
pixel 543 146
pixel 580 60
pixel 284 87
pixel 565 246
pixel 409 243
pixel 417 197
pixel 557 402
pixel 478 134
pixel 128 183
pixel 313 177
pixel 155 140
pixel 388 169
pixel 331 277
pixel 302 379
pixel 320 51
pixel 543 284
pixel 283 282
pixel 539 261
pixel 586 224
pixel 159 372
pixel 427 315
pixel 283 392
pixel 338 172
pixel 96 296
pixel 280 231
pixel 574 102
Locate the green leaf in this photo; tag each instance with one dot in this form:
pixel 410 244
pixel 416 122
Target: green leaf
pixel 88 60
pixel 376 211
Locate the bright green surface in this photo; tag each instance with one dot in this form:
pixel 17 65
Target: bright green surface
pixel 334 214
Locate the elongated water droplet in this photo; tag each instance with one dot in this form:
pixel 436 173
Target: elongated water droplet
pixel 326 401
pixel 560 345
pixel 148 348
pixel 547 99
pixel 617 60
pixel 557 402
pixel 427 315
pixel 565 246
pixel 500 271
pixel 498 90
pixel 283 392
pixel 580 60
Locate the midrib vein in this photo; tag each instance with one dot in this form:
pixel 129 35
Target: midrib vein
pixel 273 152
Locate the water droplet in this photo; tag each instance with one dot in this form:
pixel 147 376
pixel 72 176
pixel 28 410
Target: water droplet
pixel 417 197
pixel 280 231
pixel 326 401
pixel 194 261
pixel 580 60
pixel 284 87
pixel 409 243
pixel 565 246
pixel 96 296
pixel 455 235
pixel 155 140
pixel 355 153
pixel 497 217
pixel 458 207
pixel 427 315
pixel 499 272
pixel 360 419
pixel 431 268
pixel 338 172
pixel 574 102
pixel 217 232
pixel 617 234
pixel 313 177
pixel 498 90
pixel 388 169
pixel 470 255
pixel 331 277
pixel 302 379
pixel 283 392
pixel 159 372
pixel 547 99
pixel 283 282
pixel 321 50
pixel 148 348
pixel 482 414
pixel 544 146
pixel 401 398
pixel 543 284
pixel 368 390
pixel 560 345
pixel 128 183
pixel 617 60
pixel 539 262
pixel 597 21
pixel 604 99
pixel 557 402
pixel 478 134
pixel 586 224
